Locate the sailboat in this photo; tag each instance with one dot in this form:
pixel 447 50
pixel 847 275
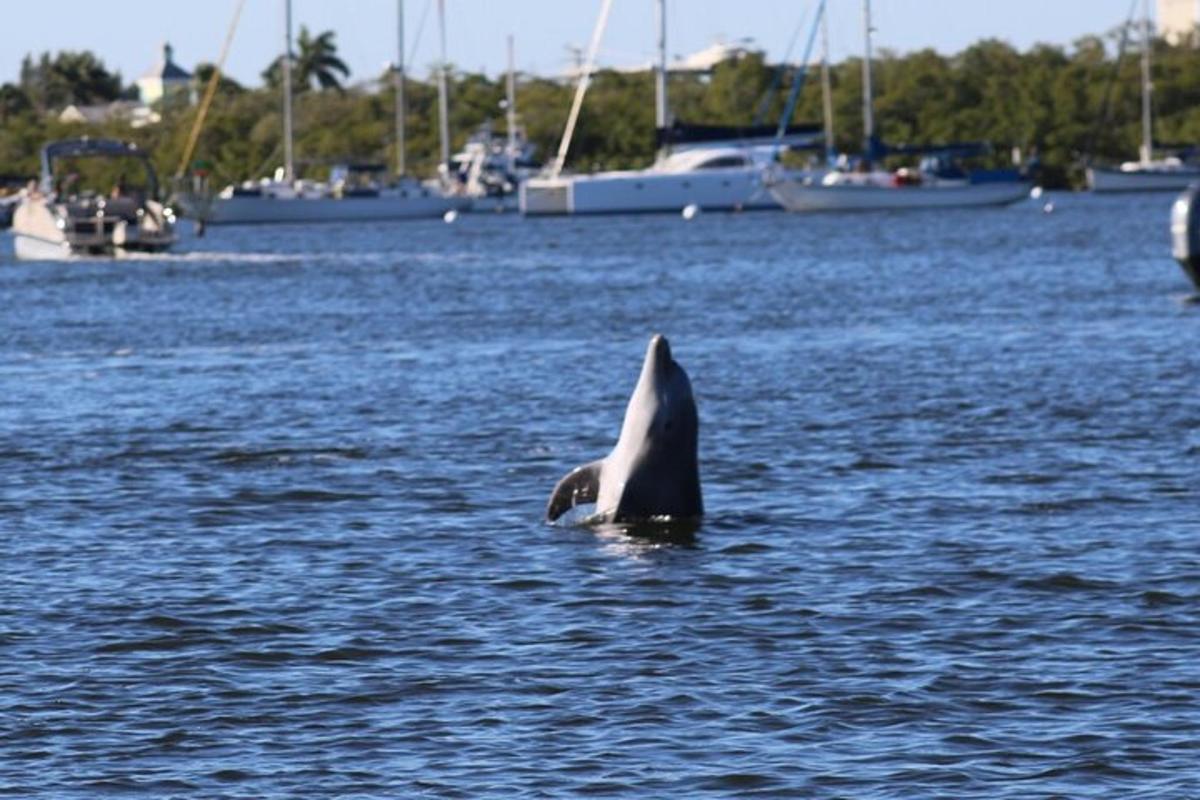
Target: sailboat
pixel 938 182
pixel 490 168
pixel 354 191
pixel 707 167
pixel 1147 174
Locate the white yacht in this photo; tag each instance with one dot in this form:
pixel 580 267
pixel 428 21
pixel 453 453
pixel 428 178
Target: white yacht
pixel 714 176
pixel 64 216
pixel 859 185
pixel 350 194
pixel 718 169
pixel 1147 174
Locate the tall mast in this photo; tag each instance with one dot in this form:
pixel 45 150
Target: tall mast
pixel 443 111
pixel 398 82
pixel 289 171
pixel 512 103
pixel 660 79
pixel 868 113
pixel 585 77
pixel 826 87
pixel 1147 86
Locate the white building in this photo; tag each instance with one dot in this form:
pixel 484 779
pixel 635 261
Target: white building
pixel 1177 20
pixel 164 79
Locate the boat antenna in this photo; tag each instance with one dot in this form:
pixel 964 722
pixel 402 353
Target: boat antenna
pixel 585 78
pixel 398 83
pixel 289 172
pixel 209 92
pixel 443 111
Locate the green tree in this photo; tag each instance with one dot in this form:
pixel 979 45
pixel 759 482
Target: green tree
pixel 68 77
pixel 316 60
pixel 13 101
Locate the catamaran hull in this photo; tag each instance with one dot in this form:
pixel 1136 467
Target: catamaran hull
pixel 255 210
pixel 797 196
pixel 1115 180
pixel 646 192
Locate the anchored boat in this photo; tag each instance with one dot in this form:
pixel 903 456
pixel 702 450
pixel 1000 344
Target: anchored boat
pixel 68 214
pixel 940 181
pixel 1148 174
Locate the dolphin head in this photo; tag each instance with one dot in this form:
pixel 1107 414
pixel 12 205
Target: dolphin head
pixel 661 411
pixel 657 449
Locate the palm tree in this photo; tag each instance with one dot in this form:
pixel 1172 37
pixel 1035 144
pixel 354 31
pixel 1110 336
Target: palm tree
pixel 316 60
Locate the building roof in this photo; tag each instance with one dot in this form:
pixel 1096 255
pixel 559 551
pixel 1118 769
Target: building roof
pixel 166 69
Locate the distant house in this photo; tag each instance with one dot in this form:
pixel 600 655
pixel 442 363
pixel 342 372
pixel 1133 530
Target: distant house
pixel 165 79
pixel 1178 19
pixel 702 62
pixel 706 60
pixel 130 111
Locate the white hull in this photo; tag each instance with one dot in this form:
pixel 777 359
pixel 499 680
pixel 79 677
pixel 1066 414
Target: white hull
pixel 252 209
pixel 1117 180
pixel 798 196
pixel 735 189
pixel 35 248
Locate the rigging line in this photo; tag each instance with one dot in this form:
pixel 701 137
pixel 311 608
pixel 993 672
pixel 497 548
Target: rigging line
pixel 1106 104
pixel 416 41
pixel 777 79
pixel 801 74
pixel 209 92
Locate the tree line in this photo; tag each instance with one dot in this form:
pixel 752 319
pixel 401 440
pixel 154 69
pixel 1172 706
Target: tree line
pixel 1064 104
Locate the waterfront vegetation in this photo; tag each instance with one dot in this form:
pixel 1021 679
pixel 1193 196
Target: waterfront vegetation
pixel 1062 104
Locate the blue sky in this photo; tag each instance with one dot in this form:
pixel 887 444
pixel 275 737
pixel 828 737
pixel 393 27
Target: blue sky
pixel 128 33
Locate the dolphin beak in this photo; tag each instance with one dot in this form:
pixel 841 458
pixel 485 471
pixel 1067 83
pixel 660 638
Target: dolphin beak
pixel 659 352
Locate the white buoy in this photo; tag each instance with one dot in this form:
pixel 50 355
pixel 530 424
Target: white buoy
pixel 690 210
pixel 1048 208
pixel 450 216
pixel 1035 192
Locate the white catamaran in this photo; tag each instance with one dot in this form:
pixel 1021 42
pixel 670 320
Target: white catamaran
pixel 1147 174
pixel 353 192
pixel 861 186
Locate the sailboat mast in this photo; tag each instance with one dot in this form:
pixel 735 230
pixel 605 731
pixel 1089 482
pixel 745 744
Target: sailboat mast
pixel 398 82
pixel 868 112
pixel 1147 87
pixel 826 86
pixel 512 103
pixel 443 110
pixel 289 172
pixel 660 79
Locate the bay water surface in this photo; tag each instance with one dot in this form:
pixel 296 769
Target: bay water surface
pixel 271 511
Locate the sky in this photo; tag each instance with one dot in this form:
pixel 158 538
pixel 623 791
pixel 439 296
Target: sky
pixel 128 34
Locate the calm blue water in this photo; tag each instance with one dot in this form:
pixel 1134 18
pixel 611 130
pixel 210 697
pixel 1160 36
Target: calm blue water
pixel 271 517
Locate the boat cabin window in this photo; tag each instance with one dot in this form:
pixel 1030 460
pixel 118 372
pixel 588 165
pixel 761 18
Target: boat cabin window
pixel 722 162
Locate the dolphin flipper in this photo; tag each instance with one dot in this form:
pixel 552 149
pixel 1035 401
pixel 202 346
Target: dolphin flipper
pixel 580 485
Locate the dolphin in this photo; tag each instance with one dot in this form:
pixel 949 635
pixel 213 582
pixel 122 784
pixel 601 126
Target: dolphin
pixel 653 472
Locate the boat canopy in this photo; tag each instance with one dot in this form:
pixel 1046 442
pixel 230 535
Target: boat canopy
pixel 85 147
